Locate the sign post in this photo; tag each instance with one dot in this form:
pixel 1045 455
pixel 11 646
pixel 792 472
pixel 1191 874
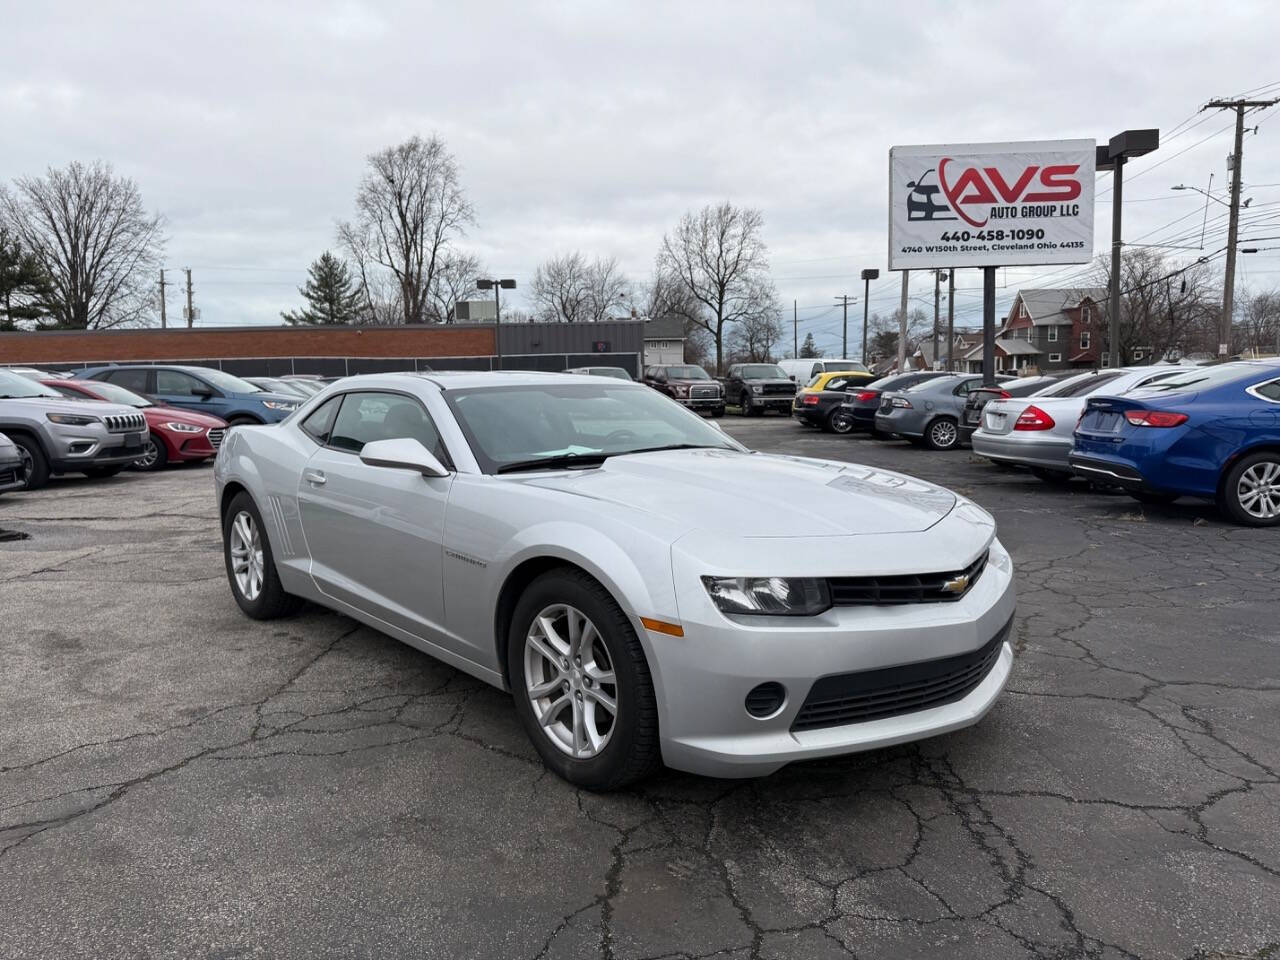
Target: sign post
pixel 991 205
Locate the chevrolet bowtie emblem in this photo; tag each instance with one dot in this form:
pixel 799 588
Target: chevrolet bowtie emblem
pixel 956 585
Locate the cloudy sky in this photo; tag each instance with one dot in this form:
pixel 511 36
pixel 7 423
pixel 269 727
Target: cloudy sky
pixel 594 126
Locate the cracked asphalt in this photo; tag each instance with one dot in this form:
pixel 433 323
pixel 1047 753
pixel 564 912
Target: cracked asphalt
pixel 179 781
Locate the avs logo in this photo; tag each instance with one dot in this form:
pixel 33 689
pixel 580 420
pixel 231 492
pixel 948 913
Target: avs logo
pixel 972 186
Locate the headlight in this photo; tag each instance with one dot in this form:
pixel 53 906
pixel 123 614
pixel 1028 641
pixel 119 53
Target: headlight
pixel 72 419
pixel 900 402
pixel 279 405
pixel 756 388
pixel 680 391
pixel 183 428
pixel 769 596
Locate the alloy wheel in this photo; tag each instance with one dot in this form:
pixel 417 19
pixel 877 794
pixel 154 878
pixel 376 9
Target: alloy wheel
pixel 570 681
pixel 28 464
pixel 149 456
pixel 943 434
pixel 1259 490
pixel 246 555
pixel 841 423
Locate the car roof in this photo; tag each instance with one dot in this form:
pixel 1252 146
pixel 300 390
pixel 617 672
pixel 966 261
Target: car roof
pixel 468 379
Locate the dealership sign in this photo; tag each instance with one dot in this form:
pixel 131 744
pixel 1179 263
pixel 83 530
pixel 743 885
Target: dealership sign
pixel 991 204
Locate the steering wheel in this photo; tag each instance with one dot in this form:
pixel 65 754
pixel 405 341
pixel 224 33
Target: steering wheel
pixel 620 436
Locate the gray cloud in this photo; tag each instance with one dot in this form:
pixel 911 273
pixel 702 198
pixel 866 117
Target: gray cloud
pixel 595 126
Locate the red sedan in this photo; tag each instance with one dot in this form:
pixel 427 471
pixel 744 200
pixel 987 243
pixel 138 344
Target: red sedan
pixel 175 434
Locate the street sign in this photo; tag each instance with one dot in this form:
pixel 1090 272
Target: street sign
pixel 991 204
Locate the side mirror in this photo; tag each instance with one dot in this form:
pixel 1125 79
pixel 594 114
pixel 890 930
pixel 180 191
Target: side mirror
pixel 404 453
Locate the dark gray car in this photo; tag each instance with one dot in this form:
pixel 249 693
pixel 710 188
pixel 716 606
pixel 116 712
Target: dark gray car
pixel 929 412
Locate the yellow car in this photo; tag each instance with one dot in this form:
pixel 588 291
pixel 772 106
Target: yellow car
pixel 821 397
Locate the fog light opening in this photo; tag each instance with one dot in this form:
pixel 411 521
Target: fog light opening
pixel 766 700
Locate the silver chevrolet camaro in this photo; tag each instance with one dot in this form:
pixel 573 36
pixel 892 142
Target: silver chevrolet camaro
pixel 648 589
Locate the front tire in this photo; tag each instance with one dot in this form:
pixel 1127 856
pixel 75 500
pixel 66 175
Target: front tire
pixel 35 465
pixel 155 457
pixel 744 405
pixel 1251 491
pixel 251 568
pixel 943 434
pixel 581 683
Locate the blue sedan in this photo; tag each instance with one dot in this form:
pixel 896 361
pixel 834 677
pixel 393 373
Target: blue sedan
pixel 1211 432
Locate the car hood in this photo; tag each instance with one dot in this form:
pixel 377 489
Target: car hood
pixel 41 405
pixel 276 397
pixel 741 494
pixel 178 415
pixel 772 381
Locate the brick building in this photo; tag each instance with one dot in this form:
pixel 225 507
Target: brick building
pixel 339 350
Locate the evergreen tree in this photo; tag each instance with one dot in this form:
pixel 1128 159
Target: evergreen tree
pixel 331 294
pixel 24 285
pixel 808 349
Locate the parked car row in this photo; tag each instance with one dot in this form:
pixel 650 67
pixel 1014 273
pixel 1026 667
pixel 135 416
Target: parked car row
pixel 1157 432
pixel 102 420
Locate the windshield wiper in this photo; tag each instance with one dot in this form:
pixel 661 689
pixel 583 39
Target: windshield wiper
pixel 570 461
pixel 669 446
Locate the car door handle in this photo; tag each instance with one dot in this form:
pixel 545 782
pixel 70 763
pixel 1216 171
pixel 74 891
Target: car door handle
pixel 313 476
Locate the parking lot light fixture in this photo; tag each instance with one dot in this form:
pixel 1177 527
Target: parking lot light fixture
pixel 1121 147
pixel 487 283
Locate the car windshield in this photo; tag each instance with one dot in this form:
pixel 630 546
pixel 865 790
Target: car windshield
pixel 227 382
pixel 1205 378
pixel 762 371
pixel 526 423
pixel 616 372
pixel 14 386
pixel 686 373
pixel 118 394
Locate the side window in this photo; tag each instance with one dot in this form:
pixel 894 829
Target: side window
pixel 128 377
pixel 366 417
pixel 318 423
pixel 815 370
pixel 1269 391
pixel 964 386
pixel 176 383
pixel 837 383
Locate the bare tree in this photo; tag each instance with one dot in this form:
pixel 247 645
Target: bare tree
pixel 571 289
pixel 409 208
pixel 95 241
pixel 758 332
pixel 1166 307
pixel 454 281
pixel 717 255
pixel 1261 326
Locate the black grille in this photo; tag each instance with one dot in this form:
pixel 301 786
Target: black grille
pixel 129 423
pixel 703 393
pixel 779 389
pixel 765 699
pixel 10 476
pixel 876 694
pixel 911 588
pixel 215 437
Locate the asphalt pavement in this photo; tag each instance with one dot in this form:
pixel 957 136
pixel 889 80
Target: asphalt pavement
pixel 179 781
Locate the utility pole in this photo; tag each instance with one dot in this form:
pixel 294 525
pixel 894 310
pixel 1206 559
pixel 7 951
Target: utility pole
pixel 844 349
pixel 902 324
pixel 191 313
pixel 937 280
pixel 1233 229
pixel 795 329
pixel 951 317
pixel 164 320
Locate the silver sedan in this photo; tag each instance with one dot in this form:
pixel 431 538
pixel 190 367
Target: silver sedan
pixel 1036 431
pixel 649 590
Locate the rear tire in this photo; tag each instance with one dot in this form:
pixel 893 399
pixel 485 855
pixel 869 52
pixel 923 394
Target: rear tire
pixel 270 600
pixel 35 464
pixel 942 434
pixel 1058 478
pixel 631 750
pixel 840 423
pixel 1251 490
pixel 243 422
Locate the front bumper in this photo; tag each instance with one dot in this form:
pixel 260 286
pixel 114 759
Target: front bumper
pixel 10 473
pixel 704 677
pixel 188 446
pixel 76 448
pixel 701 404
pixel 1026 449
